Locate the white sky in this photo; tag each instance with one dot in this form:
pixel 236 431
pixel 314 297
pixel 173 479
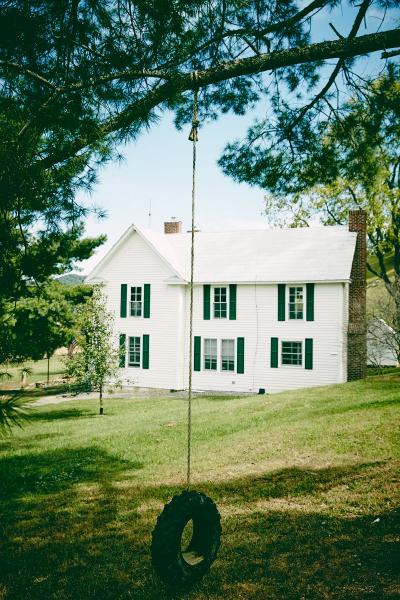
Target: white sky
pixel 157 170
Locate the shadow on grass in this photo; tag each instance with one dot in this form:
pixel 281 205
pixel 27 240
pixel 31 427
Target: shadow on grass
pixel 51 414
pixel 52 472
pixel 76 527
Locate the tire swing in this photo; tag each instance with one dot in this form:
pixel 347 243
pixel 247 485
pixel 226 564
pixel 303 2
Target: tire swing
pixel 177 561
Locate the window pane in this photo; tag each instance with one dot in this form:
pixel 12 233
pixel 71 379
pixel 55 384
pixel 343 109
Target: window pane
pixel 296 303
pixel 291 353
pixel 228 355
pixel 220 302
pixel 210 354
pixel 136 302
pixel 134 352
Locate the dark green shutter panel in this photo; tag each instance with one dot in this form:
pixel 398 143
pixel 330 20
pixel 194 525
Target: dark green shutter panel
pixel 146 352
pixel 206 302
pixel 232 301
pixel 122 350
pixel 240 355
pixel 197 353
pixel 281 301
pixel 146 301
pixel 310 302
pixel 124 294
pixel 274 352
pixel 308 361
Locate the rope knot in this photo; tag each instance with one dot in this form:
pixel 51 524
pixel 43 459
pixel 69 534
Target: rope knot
pixel 194 134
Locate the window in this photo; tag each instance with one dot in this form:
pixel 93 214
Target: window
pixel 296 303
pixel 136 301
pixel 134 352
pixel 292 353
pixel 220 303
pixel 227 355
pixel 210 355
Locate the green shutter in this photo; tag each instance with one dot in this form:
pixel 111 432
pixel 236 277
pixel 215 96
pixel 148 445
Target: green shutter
pixel 281 301
pixel 274 352
pixel 146 352
pixel 124 295
pixel 197 353
pixel 122 350
pixel 206 302
pixel 308 361
pixel 232 301
pixel 240 355
pixel 310 302
pixel 146 301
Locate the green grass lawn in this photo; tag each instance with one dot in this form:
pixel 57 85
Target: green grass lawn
pixel 306 483
pixel 38 371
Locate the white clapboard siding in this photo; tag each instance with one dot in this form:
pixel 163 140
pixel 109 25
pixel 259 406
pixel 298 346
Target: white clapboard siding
pixel 140 258
pixel 257 322
pixel 135 263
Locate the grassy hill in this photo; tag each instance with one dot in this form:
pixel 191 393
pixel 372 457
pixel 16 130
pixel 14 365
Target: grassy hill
pixel 306 482
pixel 374 264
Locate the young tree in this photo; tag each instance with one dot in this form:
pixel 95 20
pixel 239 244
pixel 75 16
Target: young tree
pixel 97 359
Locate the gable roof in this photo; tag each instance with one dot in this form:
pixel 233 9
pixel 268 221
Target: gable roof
pixel 263 255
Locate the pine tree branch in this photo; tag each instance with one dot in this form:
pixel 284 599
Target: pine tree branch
pixel 181 82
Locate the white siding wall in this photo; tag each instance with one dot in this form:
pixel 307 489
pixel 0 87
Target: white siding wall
pixel 257 322
pixel 135 264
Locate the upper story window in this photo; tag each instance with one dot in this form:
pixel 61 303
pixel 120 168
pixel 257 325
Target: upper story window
pixel 292 353
pixel 296 303
pixel 134 352
pixel 227 355
pixel 210 354
pixel 136 302
pixel 220 303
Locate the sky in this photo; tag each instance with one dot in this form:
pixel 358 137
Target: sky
pixel 153 182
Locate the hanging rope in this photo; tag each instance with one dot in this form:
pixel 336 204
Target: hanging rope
pixel 193 137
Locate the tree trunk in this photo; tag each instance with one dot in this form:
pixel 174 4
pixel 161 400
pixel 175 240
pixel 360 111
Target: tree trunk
pixel 48 368
pixel 101 400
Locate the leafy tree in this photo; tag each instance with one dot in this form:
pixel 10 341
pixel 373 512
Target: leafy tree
pixel 39 324
pixel 78 77
pixel 350 162
pixel 97 359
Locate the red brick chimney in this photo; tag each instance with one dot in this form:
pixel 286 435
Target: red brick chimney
pixel 173 227
pixel 357 329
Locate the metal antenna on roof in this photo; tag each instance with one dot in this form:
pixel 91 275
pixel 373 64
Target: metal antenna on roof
pixel 149 213
pixel 193 137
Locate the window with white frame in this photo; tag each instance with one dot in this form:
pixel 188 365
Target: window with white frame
pixel 134 352
pixel 296 302
pixel 210 354
pixel 136 302
pixel 220 302
pixel 292 353
pixel 227 355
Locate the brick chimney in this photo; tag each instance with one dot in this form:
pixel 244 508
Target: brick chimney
pixel 173 227
pixel 357 329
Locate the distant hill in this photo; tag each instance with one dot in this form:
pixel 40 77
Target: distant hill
pixel 71 279
pixel 389 264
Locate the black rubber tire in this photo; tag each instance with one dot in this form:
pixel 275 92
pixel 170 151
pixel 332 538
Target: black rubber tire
pixel 169 560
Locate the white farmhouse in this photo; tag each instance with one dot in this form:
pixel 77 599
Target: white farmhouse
pixel 271 307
